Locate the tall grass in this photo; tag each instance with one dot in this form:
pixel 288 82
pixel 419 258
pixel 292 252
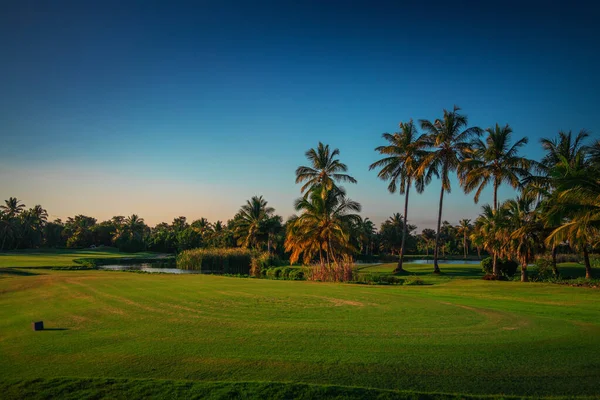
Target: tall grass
pixel 216 261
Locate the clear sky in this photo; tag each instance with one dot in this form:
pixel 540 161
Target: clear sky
pixel 170 108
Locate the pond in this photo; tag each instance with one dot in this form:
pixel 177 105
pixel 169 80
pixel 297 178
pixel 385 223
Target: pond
pixel 147 267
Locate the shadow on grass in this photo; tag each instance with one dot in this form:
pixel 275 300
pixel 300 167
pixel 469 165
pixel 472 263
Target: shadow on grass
pixel 16 272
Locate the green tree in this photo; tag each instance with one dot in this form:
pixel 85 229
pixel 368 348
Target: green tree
pixel 322 230
pixel 494 161
pixel 450 139
pixel 523 233
pixel 251 223
pixel 464 228
pixel 324 169
pixel 401 166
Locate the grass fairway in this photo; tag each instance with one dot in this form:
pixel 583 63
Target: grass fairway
pixel 455 335
pixel 59 258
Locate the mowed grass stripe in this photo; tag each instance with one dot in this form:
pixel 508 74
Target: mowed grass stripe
pixel 463 336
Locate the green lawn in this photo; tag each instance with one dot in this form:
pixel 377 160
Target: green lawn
pixel 455 335
pixel 59 258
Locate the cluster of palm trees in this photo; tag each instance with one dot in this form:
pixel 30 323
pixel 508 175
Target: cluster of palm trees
pixel 21 227
pixel 323 230
pixel 559 200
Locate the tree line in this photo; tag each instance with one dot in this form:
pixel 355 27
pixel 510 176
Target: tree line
pixel 558 204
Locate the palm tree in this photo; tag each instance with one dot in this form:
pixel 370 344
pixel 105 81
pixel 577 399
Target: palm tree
pixel 562 152
pixel 563 149
pixel 325 169
pixel 450 139
pixel 12 207
pixel 575 210
pixel 524 232
pixel 322 230
pixel 464 228
pixel 250 220
pixel 489 232
pixel 135 225
pixel 494 161
pixel 367 231
pixel 403 157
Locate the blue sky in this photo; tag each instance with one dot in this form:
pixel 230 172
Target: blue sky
pixel 172 108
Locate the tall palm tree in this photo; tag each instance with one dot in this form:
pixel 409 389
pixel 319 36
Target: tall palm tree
pixel 450 139
pixel 12 207
pixel 564 149
pixel 400 166
pixel 250 220
pixel 563 152
pixel 324 170
pixel 575 210
pixel 494 161
pixel 464 228
pixel 322 230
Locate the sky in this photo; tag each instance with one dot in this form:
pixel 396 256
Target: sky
pixel 178 108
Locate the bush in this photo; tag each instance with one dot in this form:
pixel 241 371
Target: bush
pixel 285 272
pixel 413 280
pixel 542 271
pixel 263 261
pixel 506 267
pixel 216 261
pixel 373 279
pixel 296 274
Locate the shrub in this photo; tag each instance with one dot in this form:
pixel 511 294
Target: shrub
pixel 263 261
pixel 296 274
pixel 542 270
pixel 216 261
pixel 413 280
pixel 285 272
pixel 373 279
pixel 507 268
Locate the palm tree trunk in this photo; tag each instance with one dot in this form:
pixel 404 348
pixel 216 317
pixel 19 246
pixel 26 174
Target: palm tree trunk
pixel 399 268
pixel 588 266
pixel 495 195
pixel 436 267
pixel 495 270
pixel 554 267
pixel 524 272
pixel 465 243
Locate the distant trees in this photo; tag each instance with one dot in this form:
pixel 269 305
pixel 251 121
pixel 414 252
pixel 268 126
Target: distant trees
pixel 256 225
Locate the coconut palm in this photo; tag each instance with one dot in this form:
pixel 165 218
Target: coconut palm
pixel 324 170
pixel 400 166
pixel 523 232
pixel 561 150
pixel 494 161
pixel 489 232
pixel 575 210
pixel 464 228
pixel 12 207
pixel 322 230
pixel 565 151
pixel 450 139
pixel 250 220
